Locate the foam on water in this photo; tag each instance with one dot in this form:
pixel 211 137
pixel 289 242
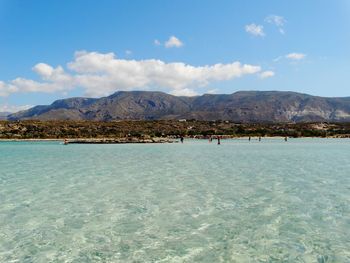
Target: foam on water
pixel 194 202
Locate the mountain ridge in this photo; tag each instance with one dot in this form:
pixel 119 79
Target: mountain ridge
pixel 241 106
pixel 3 115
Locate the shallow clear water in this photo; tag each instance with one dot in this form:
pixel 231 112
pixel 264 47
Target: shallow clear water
pixel 194 202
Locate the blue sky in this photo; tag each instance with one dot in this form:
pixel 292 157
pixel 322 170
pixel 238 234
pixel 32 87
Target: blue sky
pixel 62 48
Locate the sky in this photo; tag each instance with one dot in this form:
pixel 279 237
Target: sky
pixel 57 49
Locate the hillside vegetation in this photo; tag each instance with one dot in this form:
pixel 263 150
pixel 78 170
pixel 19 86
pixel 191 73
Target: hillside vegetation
pixel 164 128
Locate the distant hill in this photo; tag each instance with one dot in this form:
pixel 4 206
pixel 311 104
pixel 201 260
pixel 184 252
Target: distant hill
pixel 3 115
pixel 243 106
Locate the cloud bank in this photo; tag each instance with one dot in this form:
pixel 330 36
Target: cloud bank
pixel 100 74
pixel 14 108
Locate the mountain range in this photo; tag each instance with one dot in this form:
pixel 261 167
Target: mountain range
pixel 242 106
pixel 3 115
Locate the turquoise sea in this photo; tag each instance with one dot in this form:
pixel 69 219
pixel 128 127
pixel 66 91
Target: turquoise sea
pixel 269 201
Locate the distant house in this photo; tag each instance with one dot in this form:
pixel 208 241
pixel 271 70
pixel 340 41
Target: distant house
pixel 182 120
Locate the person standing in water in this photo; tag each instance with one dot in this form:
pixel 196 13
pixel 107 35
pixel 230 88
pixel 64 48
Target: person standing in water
pixel 285 138
pixel 259 138
pixel 182 139
pixel 219 140
pixel 249 138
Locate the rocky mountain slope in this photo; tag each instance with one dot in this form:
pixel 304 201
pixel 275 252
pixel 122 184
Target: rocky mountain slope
pixel 243 106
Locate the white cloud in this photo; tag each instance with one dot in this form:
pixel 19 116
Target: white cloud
pixel 255 30
pixel 157 42
pixel 46 72
pixel 128 52
pixel 266 74
pixel 53 80
pixel 278 21
pixel 101 74
pixel 173 41
pixel 295 56
pixel 184 92
pixel 13 108
pixel 212 91
pixel 290 56
pixel 277 59
pixel 6 89
pixel 43 70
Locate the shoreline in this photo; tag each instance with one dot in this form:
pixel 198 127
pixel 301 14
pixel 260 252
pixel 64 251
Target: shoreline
pixel 96 140
pixel 155 140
